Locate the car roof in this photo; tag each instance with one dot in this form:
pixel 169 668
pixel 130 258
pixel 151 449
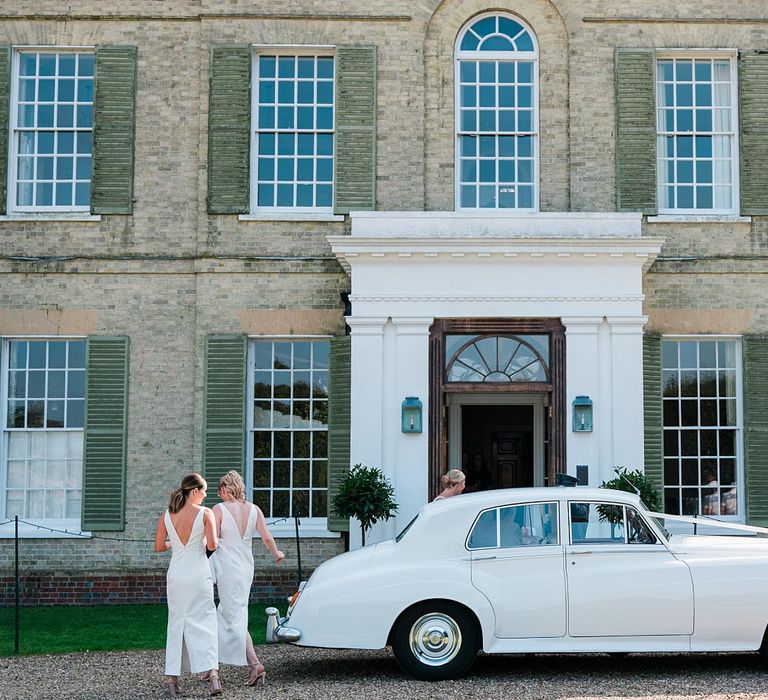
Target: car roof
pixel 500 497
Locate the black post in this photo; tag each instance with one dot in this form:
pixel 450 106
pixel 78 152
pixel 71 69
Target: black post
pixel 298 547
pixel 18 597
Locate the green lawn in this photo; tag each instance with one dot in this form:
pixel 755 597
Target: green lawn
pixel 53 630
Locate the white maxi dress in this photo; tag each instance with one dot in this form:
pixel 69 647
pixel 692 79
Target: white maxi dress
pixel 233 562
pixel 192 642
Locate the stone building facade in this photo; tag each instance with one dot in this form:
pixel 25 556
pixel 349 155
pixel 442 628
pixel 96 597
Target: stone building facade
pixel 173 293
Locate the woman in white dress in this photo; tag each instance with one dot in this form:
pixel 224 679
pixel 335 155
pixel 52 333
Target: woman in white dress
pixel 237 521
pixel 187 528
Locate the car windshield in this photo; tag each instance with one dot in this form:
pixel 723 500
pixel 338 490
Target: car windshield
pixel 405 529
pixel 658 521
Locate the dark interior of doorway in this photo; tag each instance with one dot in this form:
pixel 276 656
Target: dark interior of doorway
pixel 500 438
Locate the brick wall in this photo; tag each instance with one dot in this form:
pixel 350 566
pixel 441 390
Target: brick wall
pixel 74 588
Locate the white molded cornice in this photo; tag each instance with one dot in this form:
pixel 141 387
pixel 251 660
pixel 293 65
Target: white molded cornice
pixel 562 251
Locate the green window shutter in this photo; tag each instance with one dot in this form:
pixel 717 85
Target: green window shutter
pixel 753 139
pixel 224 406
pixel 756 428
pixel 355 129
pixel 339 414
pixel 106 430
pixel 114 127
pixel 635 131
pixel 5 93
pixel 652 409
pixel 229 129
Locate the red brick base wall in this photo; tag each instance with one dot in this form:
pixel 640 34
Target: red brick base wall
pixel 118 589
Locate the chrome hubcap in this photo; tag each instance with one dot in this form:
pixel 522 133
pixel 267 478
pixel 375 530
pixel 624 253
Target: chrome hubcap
pixel 435 639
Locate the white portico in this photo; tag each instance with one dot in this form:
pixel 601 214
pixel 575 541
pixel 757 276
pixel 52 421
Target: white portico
pixel 432 292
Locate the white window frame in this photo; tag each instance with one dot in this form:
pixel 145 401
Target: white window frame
pixel 309 527
pixel 7 530
pixel 505 56
pixel 693 54
pixel 15 211
pixel 740 516
pixel 275 212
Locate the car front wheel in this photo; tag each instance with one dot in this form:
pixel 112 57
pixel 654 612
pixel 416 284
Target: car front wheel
pixel 435 641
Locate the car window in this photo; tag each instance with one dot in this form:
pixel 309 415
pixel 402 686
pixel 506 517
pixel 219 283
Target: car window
pixel 485 533
pixel 528 525
pixel 597 523
pixel 638 531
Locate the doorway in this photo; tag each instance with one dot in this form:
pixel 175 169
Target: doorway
pixel 505 433
pixel 495 362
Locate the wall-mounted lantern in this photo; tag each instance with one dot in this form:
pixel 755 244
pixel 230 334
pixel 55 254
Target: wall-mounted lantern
pixel 411 414
pixel 582 414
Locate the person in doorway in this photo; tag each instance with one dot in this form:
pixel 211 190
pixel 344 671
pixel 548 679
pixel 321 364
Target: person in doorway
pixel 478 475
pixel 237 521
pixel 187 529
pixel 453 484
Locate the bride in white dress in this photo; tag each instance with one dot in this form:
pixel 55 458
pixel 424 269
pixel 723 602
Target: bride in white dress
pixel 186 528
pixel 237 521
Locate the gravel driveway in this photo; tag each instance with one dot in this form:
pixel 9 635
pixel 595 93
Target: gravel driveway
pixel 297 674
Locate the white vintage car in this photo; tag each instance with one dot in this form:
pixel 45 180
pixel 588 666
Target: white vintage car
pixel 535 570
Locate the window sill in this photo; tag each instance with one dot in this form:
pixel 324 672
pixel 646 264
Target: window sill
pixel 50 216
pixel 30 532
pixel 699 219
pixel 291 216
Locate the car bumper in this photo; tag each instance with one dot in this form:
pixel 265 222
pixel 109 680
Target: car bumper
pixel 277 631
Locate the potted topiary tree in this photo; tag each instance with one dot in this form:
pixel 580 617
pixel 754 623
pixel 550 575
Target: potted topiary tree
pixel 365 494
pixel 635 481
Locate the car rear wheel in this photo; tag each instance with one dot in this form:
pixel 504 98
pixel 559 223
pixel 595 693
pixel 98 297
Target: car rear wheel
pixel 435 640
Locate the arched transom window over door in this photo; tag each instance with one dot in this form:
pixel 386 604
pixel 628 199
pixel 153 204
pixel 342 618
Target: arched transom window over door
pixel 497 115
pixel 497 358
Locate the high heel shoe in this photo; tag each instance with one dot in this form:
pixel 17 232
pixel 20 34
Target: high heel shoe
pixel 172 689
pixel 215 682
pixel 257 674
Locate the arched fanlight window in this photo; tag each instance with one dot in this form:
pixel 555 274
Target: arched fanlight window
pixel 499 358
pixel 497 115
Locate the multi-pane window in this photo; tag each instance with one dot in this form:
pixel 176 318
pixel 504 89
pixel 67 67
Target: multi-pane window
pixel 52 131
pixel 43 428
pixel 289 434
pixel 696 125
pixel 702 426
pixel 496 115
pixel 293 131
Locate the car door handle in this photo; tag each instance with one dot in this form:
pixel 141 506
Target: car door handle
pixel 493 556
pixel 576 554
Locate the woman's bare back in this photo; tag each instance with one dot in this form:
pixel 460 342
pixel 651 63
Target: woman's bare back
pixel 240 511
pixel 184 521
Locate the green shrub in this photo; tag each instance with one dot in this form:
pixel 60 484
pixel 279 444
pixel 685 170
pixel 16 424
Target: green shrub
pixel 636 481
pixel 365 494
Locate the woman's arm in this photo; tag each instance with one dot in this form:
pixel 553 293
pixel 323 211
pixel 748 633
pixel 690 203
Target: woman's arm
pixel 266 536
pixel 161 536
pixel 211 540
pixel 217 514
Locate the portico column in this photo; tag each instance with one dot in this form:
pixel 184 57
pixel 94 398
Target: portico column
pixel 367 394
pixel 582 371
pixel 627 389
pixel 411 453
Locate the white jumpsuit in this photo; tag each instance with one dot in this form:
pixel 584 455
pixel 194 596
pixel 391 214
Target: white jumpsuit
pixel 192 642
pixel 233 562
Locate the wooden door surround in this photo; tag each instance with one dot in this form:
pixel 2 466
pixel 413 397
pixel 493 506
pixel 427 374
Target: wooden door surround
pixel 438 387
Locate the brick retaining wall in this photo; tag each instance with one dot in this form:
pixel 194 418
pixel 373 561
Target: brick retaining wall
pixel 118 589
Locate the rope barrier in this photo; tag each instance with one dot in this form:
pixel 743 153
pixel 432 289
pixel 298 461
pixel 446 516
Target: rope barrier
pixel 91 536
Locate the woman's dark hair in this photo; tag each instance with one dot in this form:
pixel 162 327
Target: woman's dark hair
pixel 179 497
